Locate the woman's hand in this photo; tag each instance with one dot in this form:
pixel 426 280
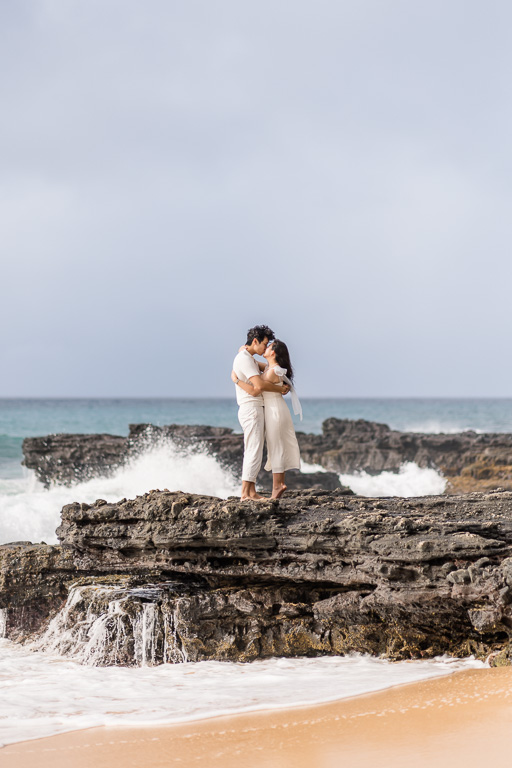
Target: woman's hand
pixel 234 377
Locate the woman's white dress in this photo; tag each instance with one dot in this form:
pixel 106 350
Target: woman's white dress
pixel 282 446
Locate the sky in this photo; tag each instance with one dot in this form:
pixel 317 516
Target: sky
pixel 173 173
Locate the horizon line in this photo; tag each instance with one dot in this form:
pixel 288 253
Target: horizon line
pixel 226 397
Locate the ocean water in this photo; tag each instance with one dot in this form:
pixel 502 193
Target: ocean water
pixel 41 693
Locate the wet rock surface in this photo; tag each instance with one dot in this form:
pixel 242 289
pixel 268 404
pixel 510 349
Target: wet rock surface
pixel 468 460
pixel 314 573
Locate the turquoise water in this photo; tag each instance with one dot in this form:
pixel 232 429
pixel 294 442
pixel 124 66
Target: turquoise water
pixel 24 418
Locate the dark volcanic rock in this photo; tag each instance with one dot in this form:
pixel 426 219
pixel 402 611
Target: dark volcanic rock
pixel 316 572
pixel 300 481
pixel 34 581
pixel 313 573
pixel 308 536
pixel 71 458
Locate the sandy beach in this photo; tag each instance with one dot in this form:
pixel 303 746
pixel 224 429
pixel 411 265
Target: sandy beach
pixel 451 721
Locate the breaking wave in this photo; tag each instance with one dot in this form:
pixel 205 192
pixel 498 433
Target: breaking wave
pixel 29 512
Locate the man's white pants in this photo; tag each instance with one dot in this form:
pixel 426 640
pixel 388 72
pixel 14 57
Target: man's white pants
pixel 252 421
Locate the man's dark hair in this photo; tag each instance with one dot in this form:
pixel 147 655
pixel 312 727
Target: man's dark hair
pixel 260 332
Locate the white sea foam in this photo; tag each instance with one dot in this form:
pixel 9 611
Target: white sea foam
pixel 30 512
pixel 42 695
pixel 308 469
pixel 411 480
pixel 434 427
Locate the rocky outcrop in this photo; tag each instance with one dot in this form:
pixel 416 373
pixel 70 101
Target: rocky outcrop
pixel 169 576
pixel 468 460
pixel 69 458
pixel 34 582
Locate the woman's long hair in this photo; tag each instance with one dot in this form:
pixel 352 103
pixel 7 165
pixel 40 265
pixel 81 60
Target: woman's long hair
pixel 283 357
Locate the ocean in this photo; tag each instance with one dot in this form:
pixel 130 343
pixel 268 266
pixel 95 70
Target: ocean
pixel 64 694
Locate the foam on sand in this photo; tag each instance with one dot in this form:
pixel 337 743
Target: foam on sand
pixel 451 721
pixel 42 694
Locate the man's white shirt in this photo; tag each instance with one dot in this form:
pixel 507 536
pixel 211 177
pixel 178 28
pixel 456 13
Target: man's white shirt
pixel 245 366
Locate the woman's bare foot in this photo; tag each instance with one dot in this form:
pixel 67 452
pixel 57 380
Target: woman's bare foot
pixel 278 491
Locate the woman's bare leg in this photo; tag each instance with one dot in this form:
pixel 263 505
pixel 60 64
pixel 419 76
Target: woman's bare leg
pixel 278 486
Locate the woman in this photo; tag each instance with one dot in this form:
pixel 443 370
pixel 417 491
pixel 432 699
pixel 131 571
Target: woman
pixel 282 446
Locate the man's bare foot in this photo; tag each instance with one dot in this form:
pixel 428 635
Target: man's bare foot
pixel 278 492
pixel 255 497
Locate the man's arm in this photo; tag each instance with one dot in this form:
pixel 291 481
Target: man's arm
pixel 257 385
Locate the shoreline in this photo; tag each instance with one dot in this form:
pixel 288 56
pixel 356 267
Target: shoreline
pixel 450 720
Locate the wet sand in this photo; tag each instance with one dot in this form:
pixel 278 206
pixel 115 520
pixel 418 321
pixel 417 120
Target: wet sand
pixel 462 720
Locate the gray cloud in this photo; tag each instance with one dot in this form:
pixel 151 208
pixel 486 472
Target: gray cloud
pixel 173 173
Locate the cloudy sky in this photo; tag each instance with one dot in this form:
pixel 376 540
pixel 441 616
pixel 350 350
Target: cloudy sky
pixel 173 173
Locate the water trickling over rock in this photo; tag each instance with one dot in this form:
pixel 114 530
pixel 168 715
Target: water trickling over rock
pixel 104 624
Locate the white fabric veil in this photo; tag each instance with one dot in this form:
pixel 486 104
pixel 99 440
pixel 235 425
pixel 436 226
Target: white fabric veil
pixel 297 407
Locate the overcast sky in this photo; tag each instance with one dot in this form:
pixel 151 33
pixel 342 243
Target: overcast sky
pixel 173 173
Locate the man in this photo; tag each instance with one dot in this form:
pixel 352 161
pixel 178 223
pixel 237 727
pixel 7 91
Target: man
pixel 250 407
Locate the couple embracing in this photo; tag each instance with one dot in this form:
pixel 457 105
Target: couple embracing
pixel 262 411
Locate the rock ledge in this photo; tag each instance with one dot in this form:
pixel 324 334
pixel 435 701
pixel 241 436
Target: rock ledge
pixel 314 573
